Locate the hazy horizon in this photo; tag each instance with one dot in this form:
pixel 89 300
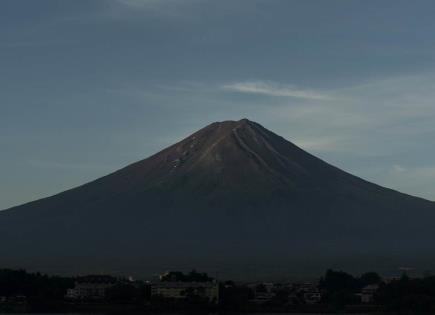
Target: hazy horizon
pixel 89 87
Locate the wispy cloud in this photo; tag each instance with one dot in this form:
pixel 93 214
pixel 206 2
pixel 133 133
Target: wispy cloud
pixel 36 43
pixel 397 169
pixel 141 3
pixel 419 172
pixel 320 143
pixel 275 89
pixel 413 179
pixel 69 166
pixel 172 8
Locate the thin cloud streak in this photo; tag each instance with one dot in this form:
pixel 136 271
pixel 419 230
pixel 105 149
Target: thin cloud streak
pixel 140 3
pixel 69 166
pixel 323 144
pixel 173 8
pixel 274 89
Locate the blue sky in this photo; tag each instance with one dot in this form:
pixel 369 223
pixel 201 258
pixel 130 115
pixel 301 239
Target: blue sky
pixel 87 87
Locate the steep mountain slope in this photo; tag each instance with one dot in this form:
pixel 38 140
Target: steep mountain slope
pixel 230 196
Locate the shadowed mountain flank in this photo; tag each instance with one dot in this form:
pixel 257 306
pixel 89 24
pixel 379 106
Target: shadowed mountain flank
pixel 232 197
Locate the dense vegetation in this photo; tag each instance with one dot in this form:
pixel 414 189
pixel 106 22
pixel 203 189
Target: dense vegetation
pixel 33 285
pixel 192 276
pixel 404 294
pixel 408 294
pixel 340 288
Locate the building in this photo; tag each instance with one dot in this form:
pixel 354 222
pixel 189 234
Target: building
pixel 310 292
pixel 263 292
pixel 313 297
pixel 368 293
pixel 92 287
pixel 13 300
pixel 183 290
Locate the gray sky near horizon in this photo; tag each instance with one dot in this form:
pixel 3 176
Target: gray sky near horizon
pixel 87 87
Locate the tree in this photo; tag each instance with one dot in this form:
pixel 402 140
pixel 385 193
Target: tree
pixel 123 292
pixel 261 288
pixel 193 276
pixel 370 278
pixel 340 288
pixel 339 281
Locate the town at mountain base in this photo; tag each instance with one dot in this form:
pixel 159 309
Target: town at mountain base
pixel 174 291
pixel 232 198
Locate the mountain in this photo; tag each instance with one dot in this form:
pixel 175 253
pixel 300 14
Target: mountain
pixel 233 198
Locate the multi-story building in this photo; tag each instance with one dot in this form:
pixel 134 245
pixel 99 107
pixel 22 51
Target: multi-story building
pixel 92 287
pixel 183 290
pixel 309 291
pixel 368 293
